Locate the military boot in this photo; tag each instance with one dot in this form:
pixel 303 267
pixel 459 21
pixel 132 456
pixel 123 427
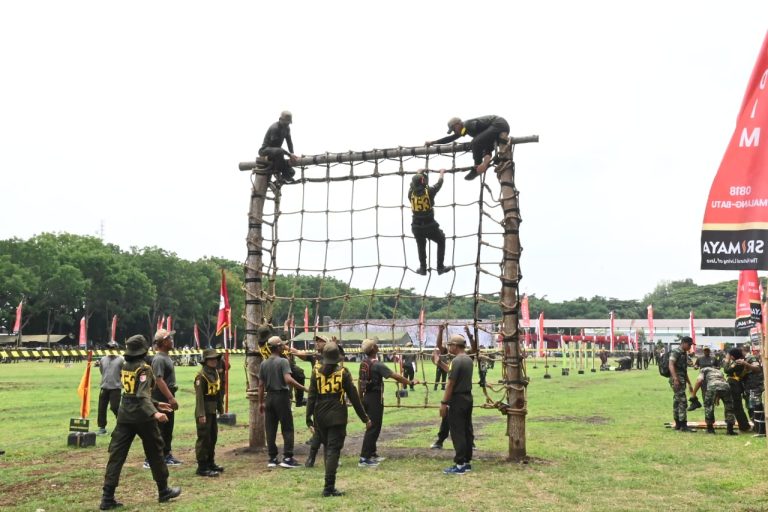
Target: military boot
pixel 730 431
pixel 108 501
pixel 168 494
pixel 684 427
pixel 695 404
pixel 710 427
pixel 677 424
pixel 310 462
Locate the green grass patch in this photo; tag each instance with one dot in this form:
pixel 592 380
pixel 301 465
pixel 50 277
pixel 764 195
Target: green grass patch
pixel 597 441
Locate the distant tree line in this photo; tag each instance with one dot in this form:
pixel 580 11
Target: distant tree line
pixel 63 277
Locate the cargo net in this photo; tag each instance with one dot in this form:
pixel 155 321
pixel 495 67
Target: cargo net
pixel 348 226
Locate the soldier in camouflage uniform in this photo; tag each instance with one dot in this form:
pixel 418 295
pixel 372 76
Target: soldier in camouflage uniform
pixel 753 387
pixel 716 388
pixel 137 415
pixel 735 373
pixel 678 378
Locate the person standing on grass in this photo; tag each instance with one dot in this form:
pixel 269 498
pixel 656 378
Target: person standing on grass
pixel 316 360
pixel 208 402
pixel 371 388
pixel 457 404
pixel 678 378
pixel 109 394
pixel 714 387
pixel 327 410
pixel 274 379
pixel 138 415
pixel 165 390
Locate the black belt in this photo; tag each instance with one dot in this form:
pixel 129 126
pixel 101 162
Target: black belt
pixel 330 396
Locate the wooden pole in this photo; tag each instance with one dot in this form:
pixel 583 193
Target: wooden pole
pixel 515 380
pixel 254 309
pixel 380 154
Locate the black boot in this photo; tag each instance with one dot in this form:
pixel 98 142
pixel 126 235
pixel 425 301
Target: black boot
pixel 677 424
pixel 204 470
pixel 108 501
pixel 695 404
pixel 310 462
pixel 332 492
pixel 684 427
pixel 168 494
pixel 730 431
pixel 215 467
pixel 710 427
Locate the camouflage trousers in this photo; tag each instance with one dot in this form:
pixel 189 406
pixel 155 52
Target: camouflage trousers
pixel 679 402
pixel 723 392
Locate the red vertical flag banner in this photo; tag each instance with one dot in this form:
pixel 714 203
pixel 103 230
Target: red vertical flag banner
pixel 421 325
pixel 84 389
pixel 169 323
pixel 17 323
pixel 306 318
pixel 748 297
pixel 735 225
pixel 83 334
pixel 525 312
pixel 114 328
pixel 613 326
pixel 693 333
pixel 223 319
pixel 541 334
pixel 159 322
pixel 197 337
pixel 651 333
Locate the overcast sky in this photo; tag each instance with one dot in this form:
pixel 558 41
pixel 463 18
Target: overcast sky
pixel 134 116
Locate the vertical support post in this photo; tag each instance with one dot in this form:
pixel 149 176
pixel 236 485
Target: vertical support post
pixel 510 302
pixel 254 309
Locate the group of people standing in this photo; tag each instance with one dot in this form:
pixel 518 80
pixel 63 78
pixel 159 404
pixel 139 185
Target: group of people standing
pixel 740 380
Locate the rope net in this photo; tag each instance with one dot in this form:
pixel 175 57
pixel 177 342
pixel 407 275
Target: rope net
pixel 348 224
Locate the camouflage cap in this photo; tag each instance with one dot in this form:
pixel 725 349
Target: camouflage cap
pixel 275 341
pixel 163 334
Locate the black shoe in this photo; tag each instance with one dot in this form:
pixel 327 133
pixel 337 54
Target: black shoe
pixel 677 424
pixel 684 427
pixel 109 503
pixel 288 179
pixel 332 492
pixel 421 271
pixel 206 472
pixel 443 270
pixel 215 467
pixel 695 404
pixel 471 175
pixel 310 462
pixel 168 494
pixel 730 431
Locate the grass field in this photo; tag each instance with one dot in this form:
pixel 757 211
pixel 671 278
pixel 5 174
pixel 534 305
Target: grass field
pixel 596 442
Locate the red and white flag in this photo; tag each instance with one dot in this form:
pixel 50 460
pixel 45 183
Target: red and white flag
pixel 525 312
pixel 693 333
pixel 306 318
pixel 651 334
pixel 160 321
pixel 83 335
pixel 224 311
pixel 541 334
pixel 114 328
pixel 735 225
pixel 197 336
pixel 169 323
pixel 17 323
pixel 421 325
pixel 317 323
pixel 613 326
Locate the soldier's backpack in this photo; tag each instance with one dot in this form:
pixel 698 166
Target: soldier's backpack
pixel 664 364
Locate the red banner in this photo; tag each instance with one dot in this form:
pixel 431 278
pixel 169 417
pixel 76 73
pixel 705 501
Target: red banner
pixel 17 323
pixel 197 336
pixel 541 333
pixel 525 312
pixel 651 333
pixel 693 333
pixel 306 318
pixel 736 216
pixel 83 341
pixel 114 328
pixel 613 338
pixel 160 321
pixel 421 325
pixel 169 323
pixel 748 310
pixel 223 320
